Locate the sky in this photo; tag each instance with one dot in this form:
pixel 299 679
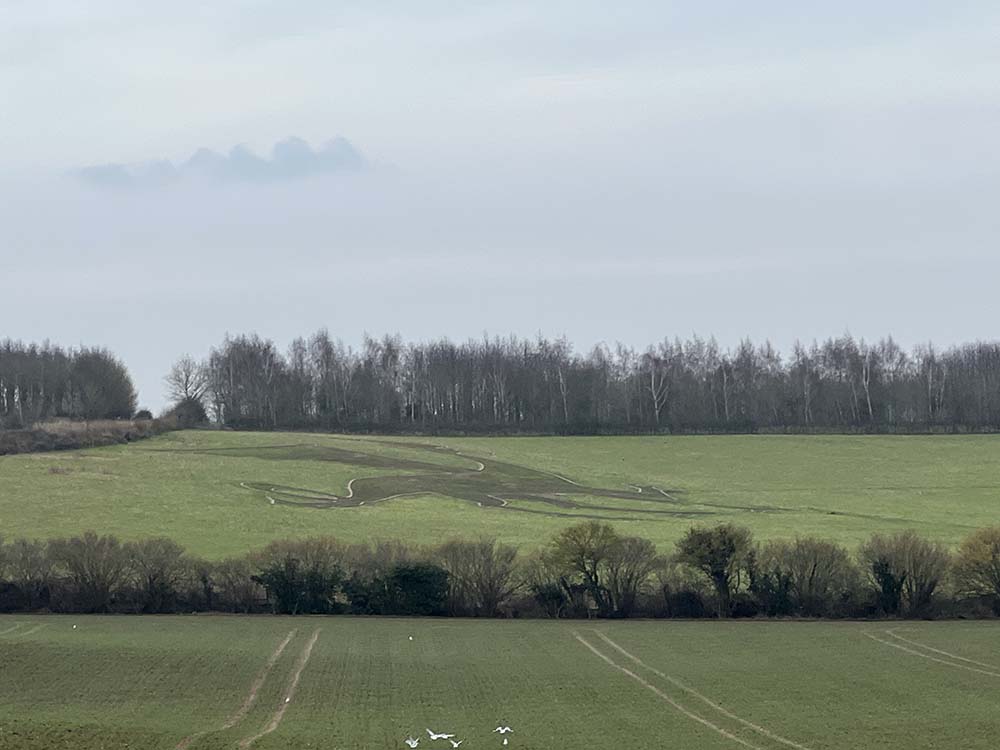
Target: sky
pixel 171 172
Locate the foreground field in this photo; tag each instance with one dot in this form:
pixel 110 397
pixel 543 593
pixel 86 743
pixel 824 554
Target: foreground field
pixel 219 493
pixel 222 682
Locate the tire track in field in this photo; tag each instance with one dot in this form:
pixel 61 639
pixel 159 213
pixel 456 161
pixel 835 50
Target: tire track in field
pixel 251 698
pixel 922 655
pixel 704 699
pixel 279 714
pixel 892 632
pixel 666 698
pixel 30 631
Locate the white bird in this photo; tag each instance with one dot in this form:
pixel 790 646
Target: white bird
pixel 411 637
pixel 504 740
pixel 288 700
pixel 74 627
pixel 439 735
pixel 456 743
pixel 272 501
pixel 411 742
pixel 503 729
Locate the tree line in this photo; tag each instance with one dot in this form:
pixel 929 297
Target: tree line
pixel 41 381
pixel 585 570
pixel 543 386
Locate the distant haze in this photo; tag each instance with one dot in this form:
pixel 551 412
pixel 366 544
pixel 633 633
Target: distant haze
pixel 773 169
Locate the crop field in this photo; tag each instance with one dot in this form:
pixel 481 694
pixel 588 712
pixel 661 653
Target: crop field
pixel 218 493
pixel 268 682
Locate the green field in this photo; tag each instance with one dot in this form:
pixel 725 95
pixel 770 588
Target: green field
pixel 212 491
pixel 152 682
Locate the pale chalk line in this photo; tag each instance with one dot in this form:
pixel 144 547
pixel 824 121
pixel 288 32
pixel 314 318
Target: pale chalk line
pixel 393 497
pixel 666 494
pixel 931 658
pixel 11 629
pixel 289 693
pixel 691 691
pixel 892 632
pixel 482 466
pixel 560 476
pixel 251 698
pixel 649 686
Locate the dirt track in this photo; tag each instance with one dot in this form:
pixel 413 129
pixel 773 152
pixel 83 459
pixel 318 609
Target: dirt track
pixel 240 713
pixel 918 649
pixel 764 731
pixel 279 713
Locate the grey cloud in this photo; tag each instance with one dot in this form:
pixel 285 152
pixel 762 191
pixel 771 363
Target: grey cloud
pixel 119 175
pixel 290 158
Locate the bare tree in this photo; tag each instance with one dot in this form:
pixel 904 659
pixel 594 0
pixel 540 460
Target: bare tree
pixel 187 380
pixel 630 566
pixel 30 569
pixel 480 575
pixel 977 565
pixel 541 385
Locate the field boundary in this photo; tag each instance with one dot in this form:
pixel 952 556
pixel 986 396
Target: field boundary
pixel 666 698
pixel 691 691
pixel 914 652
pixel 241 712
pixel 279 713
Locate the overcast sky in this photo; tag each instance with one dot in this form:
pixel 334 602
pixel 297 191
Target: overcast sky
pixel 609 172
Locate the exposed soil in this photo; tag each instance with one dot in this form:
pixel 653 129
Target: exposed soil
pixel 485 482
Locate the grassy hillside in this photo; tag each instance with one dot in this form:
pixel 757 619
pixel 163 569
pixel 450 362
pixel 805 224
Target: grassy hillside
pixel 212 491
pixel 154 682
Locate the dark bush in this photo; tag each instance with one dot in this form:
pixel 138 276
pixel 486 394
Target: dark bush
pixel 415 589
pixel 721 554
pixel 684 603
pixel 189 412
pixel 301 575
